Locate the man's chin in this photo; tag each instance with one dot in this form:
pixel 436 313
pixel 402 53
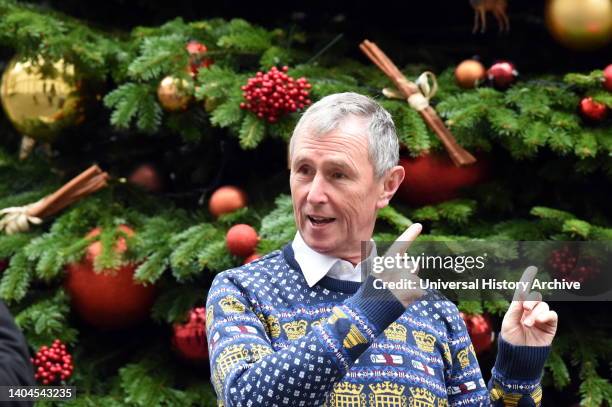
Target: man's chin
pixel 321 245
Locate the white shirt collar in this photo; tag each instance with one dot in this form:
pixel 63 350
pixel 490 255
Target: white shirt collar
pixel 316 265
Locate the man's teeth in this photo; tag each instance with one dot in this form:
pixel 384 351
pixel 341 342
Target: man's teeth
pixel 319 219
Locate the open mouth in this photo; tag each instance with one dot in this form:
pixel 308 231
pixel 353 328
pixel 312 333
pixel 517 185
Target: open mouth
pixel 319 220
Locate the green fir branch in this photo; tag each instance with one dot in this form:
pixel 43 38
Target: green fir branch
pixel 252 131
pixel 174 303
pixel 46 320
pixel 394 218
pixel 278 226
pixel 16 278
pixel 132 101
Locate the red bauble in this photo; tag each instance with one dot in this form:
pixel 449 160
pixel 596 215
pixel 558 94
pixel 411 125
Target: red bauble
pixel 607 78
pixel 502 75
pixel 481 331
pixel 109 299
pixel 241 240
pixel 189 339
pixel 251 258
pixel 146 177
pixel 52 364
pixel 273 94
pixel 568 264
pixel 593 110
pixel 227 199
pixel 433 178
pixel 197 59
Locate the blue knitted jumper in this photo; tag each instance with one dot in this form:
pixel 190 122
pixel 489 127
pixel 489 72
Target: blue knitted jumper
pixel 274 341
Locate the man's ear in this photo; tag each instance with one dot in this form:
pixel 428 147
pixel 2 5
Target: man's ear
pixel 390 183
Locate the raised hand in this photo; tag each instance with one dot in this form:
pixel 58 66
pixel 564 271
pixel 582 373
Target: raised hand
pixel 529 321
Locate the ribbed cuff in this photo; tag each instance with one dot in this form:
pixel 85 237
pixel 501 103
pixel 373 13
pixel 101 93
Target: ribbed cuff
pixel 380 306
pixel 520 362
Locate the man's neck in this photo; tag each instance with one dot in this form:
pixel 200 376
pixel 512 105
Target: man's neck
pixel 357 257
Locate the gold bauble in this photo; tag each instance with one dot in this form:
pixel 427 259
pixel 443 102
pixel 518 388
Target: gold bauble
pixel 580 24
pixel 174 94
pixel 41 98
pixel 469 73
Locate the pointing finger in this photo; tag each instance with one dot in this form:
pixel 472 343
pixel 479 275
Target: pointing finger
pixel 404 241
pixel 523 289
pixel 532 301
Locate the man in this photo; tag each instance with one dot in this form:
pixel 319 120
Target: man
pixel 15 365
pixel 297 327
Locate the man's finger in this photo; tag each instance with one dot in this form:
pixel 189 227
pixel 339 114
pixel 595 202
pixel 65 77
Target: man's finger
pixel 404 241
pixel 549 317
pixel 532 300
pixel 540 309
pixel 523 289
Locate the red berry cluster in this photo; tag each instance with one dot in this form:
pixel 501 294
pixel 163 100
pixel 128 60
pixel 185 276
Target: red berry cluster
pixel 565 262
pixel 52 363
pixel 273 94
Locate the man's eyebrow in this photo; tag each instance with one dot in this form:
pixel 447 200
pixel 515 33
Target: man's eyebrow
pixel 331 163
pixel 300 159
pixel 339 164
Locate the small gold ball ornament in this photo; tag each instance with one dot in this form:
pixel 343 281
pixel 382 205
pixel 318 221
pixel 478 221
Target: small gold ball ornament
pixel 41 98
pixel 580 24
pixel 470 73
pixel 174 94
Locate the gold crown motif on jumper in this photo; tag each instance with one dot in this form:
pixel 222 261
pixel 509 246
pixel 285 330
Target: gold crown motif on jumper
pixel 424 341
pixel 396 332
pixel 295 329
pixel 230 304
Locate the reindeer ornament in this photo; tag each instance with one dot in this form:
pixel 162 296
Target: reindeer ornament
pixel 497 7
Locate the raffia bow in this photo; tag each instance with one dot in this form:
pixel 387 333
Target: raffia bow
pixel 418 100
pixel 16 219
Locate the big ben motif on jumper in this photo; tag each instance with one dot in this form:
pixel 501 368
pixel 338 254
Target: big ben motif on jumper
pixel 274 326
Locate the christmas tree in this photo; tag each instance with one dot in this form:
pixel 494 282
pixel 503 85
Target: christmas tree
pixel 188 124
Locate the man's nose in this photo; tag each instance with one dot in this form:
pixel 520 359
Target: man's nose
pixel 317 193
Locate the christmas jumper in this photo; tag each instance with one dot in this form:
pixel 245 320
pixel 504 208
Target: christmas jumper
pixel 274 341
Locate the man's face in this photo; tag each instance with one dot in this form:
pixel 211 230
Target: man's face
pixel 334 190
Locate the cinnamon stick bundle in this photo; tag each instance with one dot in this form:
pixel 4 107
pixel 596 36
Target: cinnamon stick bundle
pixel 412 93
pixel 17 219
pixel 87 182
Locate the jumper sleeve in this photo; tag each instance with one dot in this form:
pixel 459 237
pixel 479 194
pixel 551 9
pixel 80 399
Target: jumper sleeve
pixel 464 383
pixel 516 375
pixel 246 370
pixel 15 366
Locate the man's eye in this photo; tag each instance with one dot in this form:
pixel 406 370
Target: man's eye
pixel 339 175
pixel 304 170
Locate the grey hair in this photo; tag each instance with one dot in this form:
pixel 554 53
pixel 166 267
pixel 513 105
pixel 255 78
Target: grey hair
pixel 330 113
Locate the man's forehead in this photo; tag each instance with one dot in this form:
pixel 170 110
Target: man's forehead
pixel 344 143
pixel 352 129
